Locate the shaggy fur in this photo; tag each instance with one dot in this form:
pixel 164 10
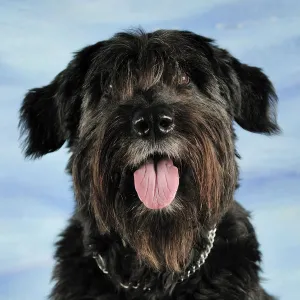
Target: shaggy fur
pixel 91 104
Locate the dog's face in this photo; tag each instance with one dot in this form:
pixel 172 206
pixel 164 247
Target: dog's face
pixel 148 119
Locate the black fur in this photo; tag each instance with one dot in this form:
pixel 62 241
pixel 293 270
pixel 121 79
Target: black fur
pixel 90 106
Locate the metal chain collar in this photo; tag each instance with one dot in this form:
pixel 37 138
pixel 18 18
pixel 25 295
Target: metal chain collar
pixel 191 270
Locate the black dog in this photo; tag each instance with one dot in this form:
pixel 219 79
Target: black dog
pixel 148 119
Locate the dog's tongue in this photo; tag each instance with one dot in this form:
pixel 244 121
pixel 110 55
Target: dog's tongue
pixel 156 189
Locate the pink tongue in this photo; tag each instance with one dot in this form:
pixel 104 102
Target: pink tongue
pixel 156 189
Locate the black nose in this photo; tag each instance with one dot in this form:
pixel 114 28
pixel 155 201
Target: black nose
pixel 157 121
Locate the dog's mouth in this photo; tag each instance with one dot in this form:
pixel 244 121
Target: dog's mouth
pixel 156 181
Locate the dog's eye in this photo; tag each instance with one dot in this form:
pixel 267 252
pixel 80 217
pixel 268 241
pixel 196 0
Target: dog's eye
pixel 184 80
pixel 108 89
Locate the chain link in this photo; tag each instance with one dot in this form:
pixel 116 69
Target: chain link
pixel 203 256
pixel 191 270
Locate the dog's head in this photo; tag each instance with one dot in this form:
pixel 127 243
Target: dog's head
pixel 149 122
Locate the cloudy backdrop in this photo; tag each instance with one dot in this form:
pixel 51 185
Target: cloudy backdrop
pixel 37 41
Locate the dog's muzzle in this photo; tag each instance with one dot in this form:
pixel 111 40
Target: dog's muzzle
pixel 156 178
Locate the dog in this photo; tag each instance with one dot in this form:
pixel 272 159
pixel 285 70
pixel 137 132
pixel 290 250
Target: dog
pixel 148 119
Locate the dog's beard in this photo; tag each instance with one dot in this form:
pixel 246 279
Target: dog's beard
pixel 163 239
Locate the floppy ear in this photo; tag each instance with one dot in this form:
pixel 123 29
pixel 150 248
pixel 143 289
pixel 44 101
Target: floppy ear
pixel 249 90
pixel 257 103
pixel 49 115
pixel 40 119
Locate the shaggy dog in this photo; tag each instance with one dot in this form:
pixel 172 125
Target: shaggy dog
pixel 148 120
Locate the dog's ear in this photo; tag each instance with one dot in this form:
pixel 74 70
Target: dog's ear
pixel 49 115
pixel 252 94
pixel 257 100
pixel 40 119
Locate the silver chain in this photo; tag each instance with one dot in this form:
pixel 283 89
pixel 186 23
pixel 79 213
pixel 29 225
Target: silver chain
pixel 203 256
pixel 191 270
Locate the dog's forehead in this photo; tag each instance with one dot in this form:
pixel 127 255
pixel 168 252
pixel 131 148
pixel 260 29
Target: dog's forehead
pixel 169 45
pixel 139 60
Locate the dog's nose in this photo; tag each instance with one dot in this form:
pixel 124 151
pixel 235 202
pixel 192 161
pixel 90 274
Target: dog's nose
pixel 156 121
